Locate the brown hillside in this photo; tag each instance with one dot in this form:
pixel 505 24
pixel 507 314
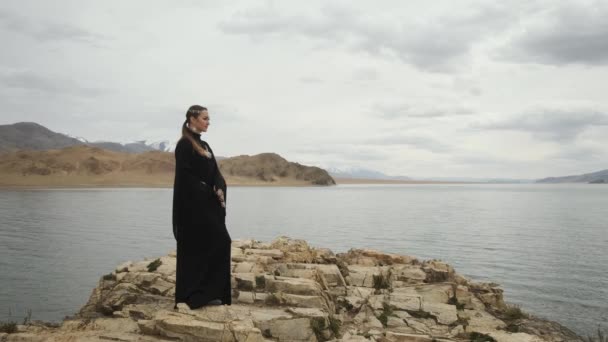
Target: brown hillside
pixel 91 166
pixel 270 167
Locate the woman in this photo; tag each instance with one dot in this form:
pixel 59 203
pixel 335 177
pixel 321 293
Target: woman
pixel 199 219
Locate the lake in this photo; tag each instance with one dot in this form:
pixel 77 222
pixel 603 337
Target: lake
pixel 546 244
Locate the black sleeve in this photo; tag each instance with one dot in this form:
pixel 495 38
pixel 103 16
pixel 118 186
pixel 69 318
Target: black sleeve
pixel 187 186
pixel 218 180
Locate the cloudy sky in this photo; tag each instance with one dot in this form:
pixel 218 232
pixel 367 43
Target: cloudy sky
pixel 419 88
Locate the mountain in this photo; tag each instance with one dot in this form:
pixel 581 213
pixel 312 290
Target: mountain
pixel 83 165
pixel 480 180
pixel 164 145
pixel 595 177
pixel 362 173
pixel 32 136
pixel 270 167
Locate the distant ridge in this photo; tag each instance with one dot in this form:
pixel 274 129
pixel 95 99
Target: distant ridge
pixel 361 173
pixel 83 165
pixel 594 177
pixel 33 136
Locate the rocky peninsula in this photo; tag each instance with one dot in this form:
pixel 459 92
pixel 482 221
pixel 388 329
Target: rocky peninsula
pixel 286 290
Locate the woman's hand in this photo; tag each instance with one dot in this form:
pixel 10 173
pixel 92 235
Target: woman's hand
pixel 220 196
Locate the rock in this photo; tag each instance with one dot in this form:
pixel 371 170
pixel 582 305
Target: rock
pixel 245 297
pixel 408 274
pixel 161 286
pixel 243 244
pixel 303 301
pixel 296 251
pixel 245 281
pixel 244 267
pixel 437 271
pixel 444 313
pixel 330 273
pixel 273 253
pixel 481 321
pixel 182 326
pixel 405 302
pixel 23 337
pixel 398 337
pixel 279 294
pixel 293 286
pixel 298 329
pixel 364 275
pixel 370 257
pixel 366 319
pixel 167 266
pixel 147 327
pixel 503 336
pixel 124 267
pixel 395 322
pixel 489 294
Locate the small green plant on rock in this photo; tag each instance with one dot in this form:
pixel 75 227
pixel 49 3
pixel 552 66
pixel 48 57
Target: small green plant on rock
pixel 601 337
pixel 463 320
pixel 382 281
pixel 8 327
pixel 454 301
pixel 334 325
pixel 318 326
pixel 514 312
pixel 109 276
pixel 387 311
pixel 28 317
pixel 479 337
pixel 260 281
pixel 272 299
pixel 345 304
pixel 512 327
pixel 154 265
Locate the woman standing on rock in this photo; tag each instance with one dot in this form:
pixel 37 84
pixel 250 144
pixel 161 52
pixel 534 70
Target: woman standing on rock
pixel 199 219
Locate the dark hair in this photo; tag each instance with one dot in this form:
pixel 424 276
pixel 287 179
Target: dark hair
pixel 193 111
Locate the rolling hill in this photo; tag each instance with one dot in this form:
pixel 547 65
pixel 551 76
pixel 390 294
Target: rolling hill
pixel 594 177
pixel 83 165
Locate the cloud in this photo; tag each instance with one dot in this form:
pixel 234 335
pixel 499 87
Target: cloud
pixel 47 31
pixel 439 42
pixel 366 74
pixel 573 33
pixel 418 142
pixel 556 124
pixel 350 152
pixel 311 80
pixel 405 110
pixel 580 154
pixel 31 81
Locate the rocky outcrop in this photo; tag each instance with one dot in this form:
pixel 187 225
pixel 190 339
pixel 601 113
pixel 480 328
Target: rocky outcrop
pixel 271 167
pixel 287 291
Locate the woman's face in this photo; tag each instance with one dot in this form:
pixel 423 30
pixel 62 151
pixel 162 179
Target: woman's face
pixel 201 122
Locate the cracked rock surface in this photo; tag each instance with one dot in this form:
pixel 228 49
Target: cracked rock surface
pixel 285 290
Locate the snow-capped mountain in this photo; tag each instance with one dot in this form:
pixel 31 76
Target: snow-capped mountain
pixel 81 139
pixel 357 172
pixel 163 145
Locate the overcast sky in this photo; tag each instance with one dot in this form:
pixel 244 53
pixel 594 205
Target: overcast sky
pixel 417 88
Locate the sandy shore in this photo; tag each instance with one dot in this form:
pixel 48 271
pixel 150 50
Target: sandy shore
pixel 164 181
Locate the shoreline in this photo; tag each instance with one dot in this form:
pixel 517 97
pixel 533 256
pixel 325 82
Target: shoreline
pixel 339 181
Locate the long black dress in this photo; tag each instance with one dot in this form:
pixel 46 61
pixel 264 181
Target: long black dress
pixel 199 226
